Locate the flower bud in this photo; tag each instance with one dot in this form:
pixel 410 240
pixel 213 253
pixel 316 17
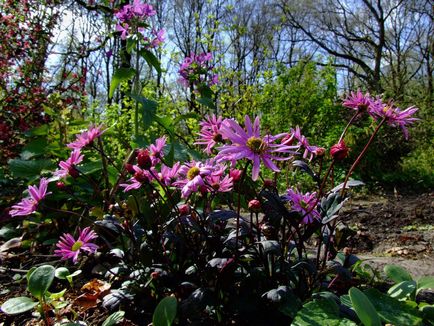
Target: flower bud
pixel 320 151
pixel 129 168
pixel 255 205
pixel 268 183
pixel 60 185
pixel 184 209
pixel 235 174
pixel 339 151
pixel 144 160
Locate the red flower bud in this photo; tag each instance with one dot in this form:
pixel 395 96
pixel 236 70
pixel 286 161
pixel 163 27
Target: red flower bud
pixel 255 205
pixel 268 183
pixel 235 174
pixel 339 151
pixel 60 185
pixel 320 152
pixel 129 168
pixel 184 210
pixel 144 160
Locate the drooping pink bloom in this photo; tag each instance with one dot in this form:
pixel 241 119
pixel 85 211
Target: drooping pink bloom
pixel 69 248
pixel 394 116
pixel 28 205
pixel 86 137
pixel 140 177
pixel 68 167
pixel 168 175
pixel 191 177
pixel 304 204
pixel 302 142
pixel 209 134
pixel 218 181
pixel 359 101
pixel 156 150
pixel 123 28
pixel 249 144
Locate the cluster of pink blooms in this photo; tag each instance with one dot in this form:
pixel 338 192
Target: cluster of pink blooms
pixel 189 177
pixel 309 150
pixel 132 19
pixel 377 109
pixel 196 70
pixel 29 205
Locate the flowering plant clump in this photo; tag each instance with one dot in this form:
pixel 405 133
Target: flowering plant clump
pixel 133 20
pixel 196 71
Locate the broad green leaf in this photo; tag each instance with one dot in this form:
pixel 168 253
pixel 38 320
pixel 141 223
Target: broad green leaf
pixel 40 280
pixel 114 318
pixel 393 311
pixel 29 169
pixel 364 308
pixel 206 101
pixel 120 75
pixel 61 273
pixel 151 59
pixel 425 282
pixel 18 305
pixel 34 148
pixel 402 290
pixel 320 312
pixel 397 273
pixel 165 312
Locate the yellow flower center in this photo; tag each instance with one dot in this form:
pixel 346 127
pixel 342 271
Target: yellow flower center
pixel 193 172
pixel 77 245
pixel 257 145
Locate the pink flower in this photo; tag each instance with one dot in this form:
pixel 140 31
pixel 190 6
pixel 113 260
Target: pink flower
pixel 86 137
pixel 249 144
pixel 168 175
pixel 394 116
pixel 305 204
pixel 68 167
pixel 140 177
pixel 157 150
pixel 217 181
pixel 309 150
pixel 191 177
pixel 358 101
pixel 123 28
pixel 210 132
pixel 28 205
pixel 69 248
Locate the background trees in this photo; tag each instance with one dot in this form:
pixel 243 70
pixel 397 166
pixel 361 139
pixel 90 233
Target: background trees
pixel 288 60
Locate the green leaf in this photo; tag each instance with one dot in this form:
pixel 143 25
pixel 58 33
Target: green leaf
pixel 151 59
pixel 397 273
pixel 425 282
pixel 149 110
pixel 165 312
pixel 57 295
pixel 206 101
pixel 61 273
pixel 114 318
pixel 320 312
pixel 403 290
pixel 40 280
pixel 34 148
pixel 364 308
pixel 393 311
pixel 18 305
pixel 29 169
pixel 120 75
pixel 428 313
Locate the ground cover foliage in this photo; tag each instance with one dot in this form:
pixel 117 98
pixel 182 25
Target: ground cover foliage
pixel 212 202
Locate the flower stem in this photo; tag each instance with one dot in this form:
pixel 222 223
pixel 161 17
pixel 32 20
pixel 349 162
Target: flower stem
pixel 362 153
pixel 348 125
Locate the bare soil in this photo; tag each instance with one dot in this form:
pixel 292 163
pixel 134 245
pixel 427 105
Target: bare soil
pixel 393 229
